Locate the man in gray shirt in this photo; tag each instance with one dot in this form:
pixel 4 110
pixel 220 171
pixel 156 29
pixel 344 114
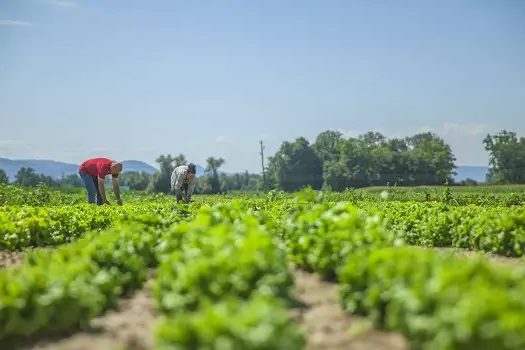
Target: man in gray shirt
pixel 183 182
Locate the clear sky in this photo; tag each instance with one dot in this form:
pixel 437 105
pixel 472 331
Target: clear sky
pixel 135 79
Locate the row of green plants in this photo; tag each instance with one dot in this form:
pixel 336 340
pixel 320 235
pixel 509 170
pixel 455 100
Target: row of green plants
pixel 227 287
pixel 497 230
pixel 437 300
pixel 39 195
pixel 59 290
pixel 223 281
pixel 491 229
pixel 494 230
pixel 27 226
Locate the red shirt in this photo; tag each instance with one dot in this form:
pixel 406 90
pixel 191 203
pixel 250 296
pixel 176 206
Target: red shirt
pixel 99 167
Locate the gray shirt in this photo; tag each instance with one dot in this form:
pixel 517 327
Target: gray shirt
pixel 178 177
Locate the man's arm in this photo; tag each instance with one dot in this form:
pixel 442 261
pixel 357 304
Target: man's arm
pixel 102 190
pixel 116 189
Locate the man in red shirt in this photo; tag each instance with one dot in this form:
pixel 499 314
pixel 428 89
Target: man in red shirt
pixel 93 172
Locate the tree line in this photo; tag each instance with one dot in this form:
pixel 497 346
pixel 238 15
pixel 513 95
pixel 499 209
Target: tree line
pixel 337 163
pixel 331 162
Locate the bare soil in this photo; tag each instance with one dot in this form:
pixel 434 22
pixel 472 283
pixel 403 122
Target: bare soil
pixel 129 327
pixel 325 323
pixel 10 259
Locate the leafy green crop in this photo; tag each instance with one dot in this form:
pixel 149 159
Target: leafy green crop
pixel 56 291
pixel 439 301
pixel 225 286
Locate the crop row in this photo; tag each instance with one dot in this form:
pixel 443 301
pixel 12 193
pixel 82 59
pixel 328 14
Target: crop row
pixel 221 273
pixel 438 301
pixel 62 289
pixel 26 226
pixel 490 229
pixel 227 287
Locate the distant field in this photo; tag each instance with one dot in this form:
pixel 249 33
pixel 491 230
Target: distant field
pixel 495 189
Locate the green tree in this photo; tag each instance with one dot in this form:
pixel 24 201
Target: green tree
pixel 356 164
pixel 395 168
pixel 506 157
pixel 180 160
pixel 240 182
pixel 161 181
pixel 212 173
pixel 3 177
pixel 326 145
pixel 28 177
pixel 296 165
pixel 135 180
pixel 431 161
pixel 72 180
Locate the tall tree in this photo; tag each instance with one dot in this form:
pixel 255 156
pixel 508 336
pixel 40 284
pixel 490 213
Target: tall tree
pixel 72 180
pixel 326 145
pixel 180 160
pixel 212 172
pixel 135 180
pixel 3 177
pixel 28 177
pixel 161 181
pixel 296 165
pixel 240 182
pixel 506 157
pixel 431 160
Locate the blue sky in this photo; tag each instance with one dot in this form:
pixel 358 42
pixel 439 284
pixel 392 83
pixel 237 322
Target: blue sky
pixel 135 79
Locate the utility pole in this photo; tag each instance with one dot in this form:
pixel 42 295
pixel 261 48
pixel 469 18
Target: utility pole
pixel 262 164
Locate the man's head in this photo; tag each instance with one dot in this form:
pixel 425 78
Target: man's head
pixel 115 168
pixel 191 171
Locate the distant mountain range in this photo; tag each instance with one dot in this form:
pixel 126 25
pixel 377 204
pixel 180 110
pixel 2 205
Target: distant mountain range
pixel 59 169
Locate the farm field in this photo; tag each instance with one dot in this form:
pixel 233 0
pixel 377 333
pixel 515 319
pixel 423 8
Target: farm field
pixel 378 268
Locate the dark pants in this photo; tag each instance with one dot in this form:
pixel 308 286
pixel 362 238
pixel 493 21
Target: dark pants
pixel 91 184
pixel 183 189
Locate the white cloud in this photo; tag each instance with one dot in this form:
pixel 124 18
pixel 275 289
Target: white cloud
pixel 14 23
pixel 472 129
pixel 224 140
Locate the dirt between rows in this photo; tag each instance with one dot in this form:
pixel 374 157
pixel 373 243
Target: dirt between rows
pixel 10 259
pixel 128 327
pixel 326 325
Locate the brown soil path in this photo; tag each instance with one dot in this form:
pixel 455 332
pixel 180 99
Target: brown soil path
pixel 326 325
pixel 129 327
pixel 10 259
